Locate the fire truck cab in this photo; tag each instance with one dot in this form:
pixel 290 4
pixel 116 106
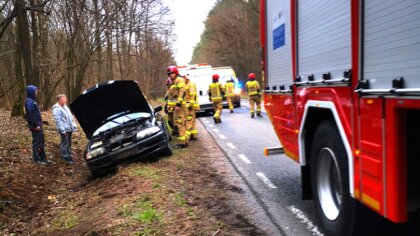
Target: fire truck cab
pixel 343 93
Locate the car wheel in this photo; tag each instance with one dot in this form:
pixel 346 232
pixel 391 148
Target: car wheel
pixel 167 151
pixel 330 181
pixel 167 133
pixel 238 103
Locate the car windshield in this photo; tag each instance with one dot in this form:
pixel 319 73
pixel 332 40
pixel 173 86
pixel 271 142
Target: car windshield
pixel 120 120
pixel 225 75
pixel 224 79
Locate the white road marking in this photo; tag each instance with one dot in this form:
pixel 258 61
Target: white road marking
pixel 211 126
pixel 216 130
pixel 222 136
pixel 266 180
pixel 204 118
pixel 304 219
pixel 207 121
pixel 244 159
pixel 231 145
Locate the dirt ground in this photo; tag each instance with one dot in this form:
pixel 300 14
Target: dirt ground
pixel 188 193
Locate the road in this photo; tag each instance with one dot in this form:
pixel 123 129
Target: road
pixel 274 181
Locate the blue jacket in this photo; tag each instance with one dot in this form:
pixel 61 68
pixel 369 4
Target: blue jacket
pixel 63 119
pixel 33 116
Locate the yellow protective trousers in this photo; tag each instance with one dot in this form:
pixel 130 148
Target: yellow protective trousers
pixel 255 100
pixel 191 125
pixel 218 107
pixel 230 102
pixel 180 118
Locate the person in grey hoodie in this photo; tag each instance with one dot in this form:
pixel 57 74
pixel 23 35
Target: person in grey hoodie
pixel 65 126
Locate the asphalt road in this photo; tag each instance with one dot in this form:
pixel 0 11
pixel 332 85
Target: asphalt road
pixel 275 180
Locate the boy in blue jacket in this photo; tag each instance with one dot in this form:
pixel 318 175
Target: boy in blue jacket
pixel 33 116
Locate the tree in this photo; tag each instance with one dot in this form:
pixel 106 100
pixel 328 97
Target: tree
pixel 67 46
pixel 231 37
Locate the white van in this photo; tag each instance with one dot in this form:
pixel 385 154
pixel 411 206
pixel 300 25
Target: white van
pixel 227 73
pixel 201 75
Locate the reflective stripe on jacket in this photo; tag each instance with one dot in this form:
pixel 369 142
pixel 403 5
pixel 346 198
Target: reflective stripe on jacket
pixel 230 89
pixel 215 92
pixel 252 87
pixel 191 98
pixel 176 91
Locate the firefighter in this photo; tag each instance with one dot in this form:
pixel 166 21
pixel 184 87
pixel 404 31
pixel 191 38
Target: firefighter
pixel 192 107
pixel 230 92
pixel 254 94
pixel 216 92
pixel 176 96
pixel 169 107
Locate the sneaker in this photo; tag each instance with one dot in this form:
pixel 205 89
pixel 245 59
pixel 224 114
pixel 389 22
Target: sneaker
pixel 40 162
pixel 193 138
pixel 252 116
pixel 231 111
pixel 180 146
pixel 47 161
pixel 259 115
pixel 215 120
pixel 68 161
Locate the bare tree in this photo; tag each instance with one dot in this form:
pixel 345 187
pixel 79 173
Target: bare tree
pixel 67 46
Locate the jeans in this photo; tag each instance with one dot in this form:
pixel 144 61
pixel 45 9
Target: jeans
pixel 65 146
pixel 38 145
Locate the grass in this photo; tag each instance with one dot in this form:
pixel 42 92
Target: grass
pixel 149 231
pixel 159 100
pixel 146 172
pixel 65 220
pixel 179 199
pixel 141 211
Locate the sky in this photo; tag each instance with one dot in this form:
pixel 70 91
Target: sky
pixel 189 16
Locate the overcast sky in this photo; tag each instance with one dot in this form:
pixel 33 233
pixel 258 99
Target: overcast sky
pixel 189 18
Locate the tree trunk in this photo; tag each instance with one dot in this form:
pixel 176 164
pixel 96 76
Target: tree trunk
pixel 17 109
pixel 24 40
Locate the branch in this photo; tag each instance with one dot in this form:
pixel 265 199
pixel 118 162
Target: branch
pixel 5 23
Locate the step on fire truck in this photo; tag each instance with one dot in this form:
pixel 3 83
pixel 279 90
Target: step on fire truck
pixel 343 94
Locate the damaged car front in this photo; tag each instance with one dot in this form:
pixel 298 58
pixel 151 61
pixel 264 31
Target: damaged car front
pixel 120 125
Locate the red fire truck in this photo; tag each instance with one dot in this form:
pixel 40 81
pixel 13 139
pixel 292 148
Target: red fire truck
pixel 343 94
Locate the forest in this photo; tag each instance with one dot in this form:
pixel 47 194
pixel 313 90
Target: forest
pixel 66 46
pixel 231 37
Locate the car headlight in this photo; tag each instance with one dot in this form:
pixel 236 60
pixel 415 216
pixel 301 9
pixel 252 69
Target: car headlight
pixel 238 91
pixel 95 152
pixel 95 144
pixel 147 132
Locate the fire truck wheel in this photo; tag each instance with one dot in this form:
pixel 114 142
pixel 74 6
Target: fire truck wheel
pixel 330 181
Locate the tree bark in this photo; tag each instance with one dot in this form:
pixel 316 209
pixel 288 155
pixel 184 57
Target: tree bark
pixel 25 41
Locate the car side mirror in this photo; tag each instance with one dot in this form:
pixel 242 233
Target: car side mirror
pixel 157 109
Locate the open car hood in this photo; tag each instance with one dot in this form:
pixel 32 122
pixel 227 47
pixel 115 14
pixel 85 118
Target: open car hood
pixel 95 105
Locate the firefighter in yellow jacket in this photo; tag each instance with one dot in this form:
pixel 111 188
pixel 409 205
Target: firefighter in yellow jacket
pixel 169 110
pixel 230 93
pixel 254 95
pixel 176 99
pixel 192 107
pixel 216 92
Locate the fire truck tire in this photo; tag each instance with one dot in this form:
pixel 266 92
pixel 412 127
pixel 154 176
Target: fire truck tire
pixel 330 181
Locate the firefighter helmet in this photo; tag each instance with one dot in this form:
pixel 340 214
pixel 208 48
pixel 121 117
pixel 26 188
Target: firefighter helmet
pixel 171 69
pixel 215 77
pixel 251 76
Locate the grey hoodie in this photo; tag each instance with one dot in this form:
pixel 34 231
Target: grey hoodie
pixel 63 119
